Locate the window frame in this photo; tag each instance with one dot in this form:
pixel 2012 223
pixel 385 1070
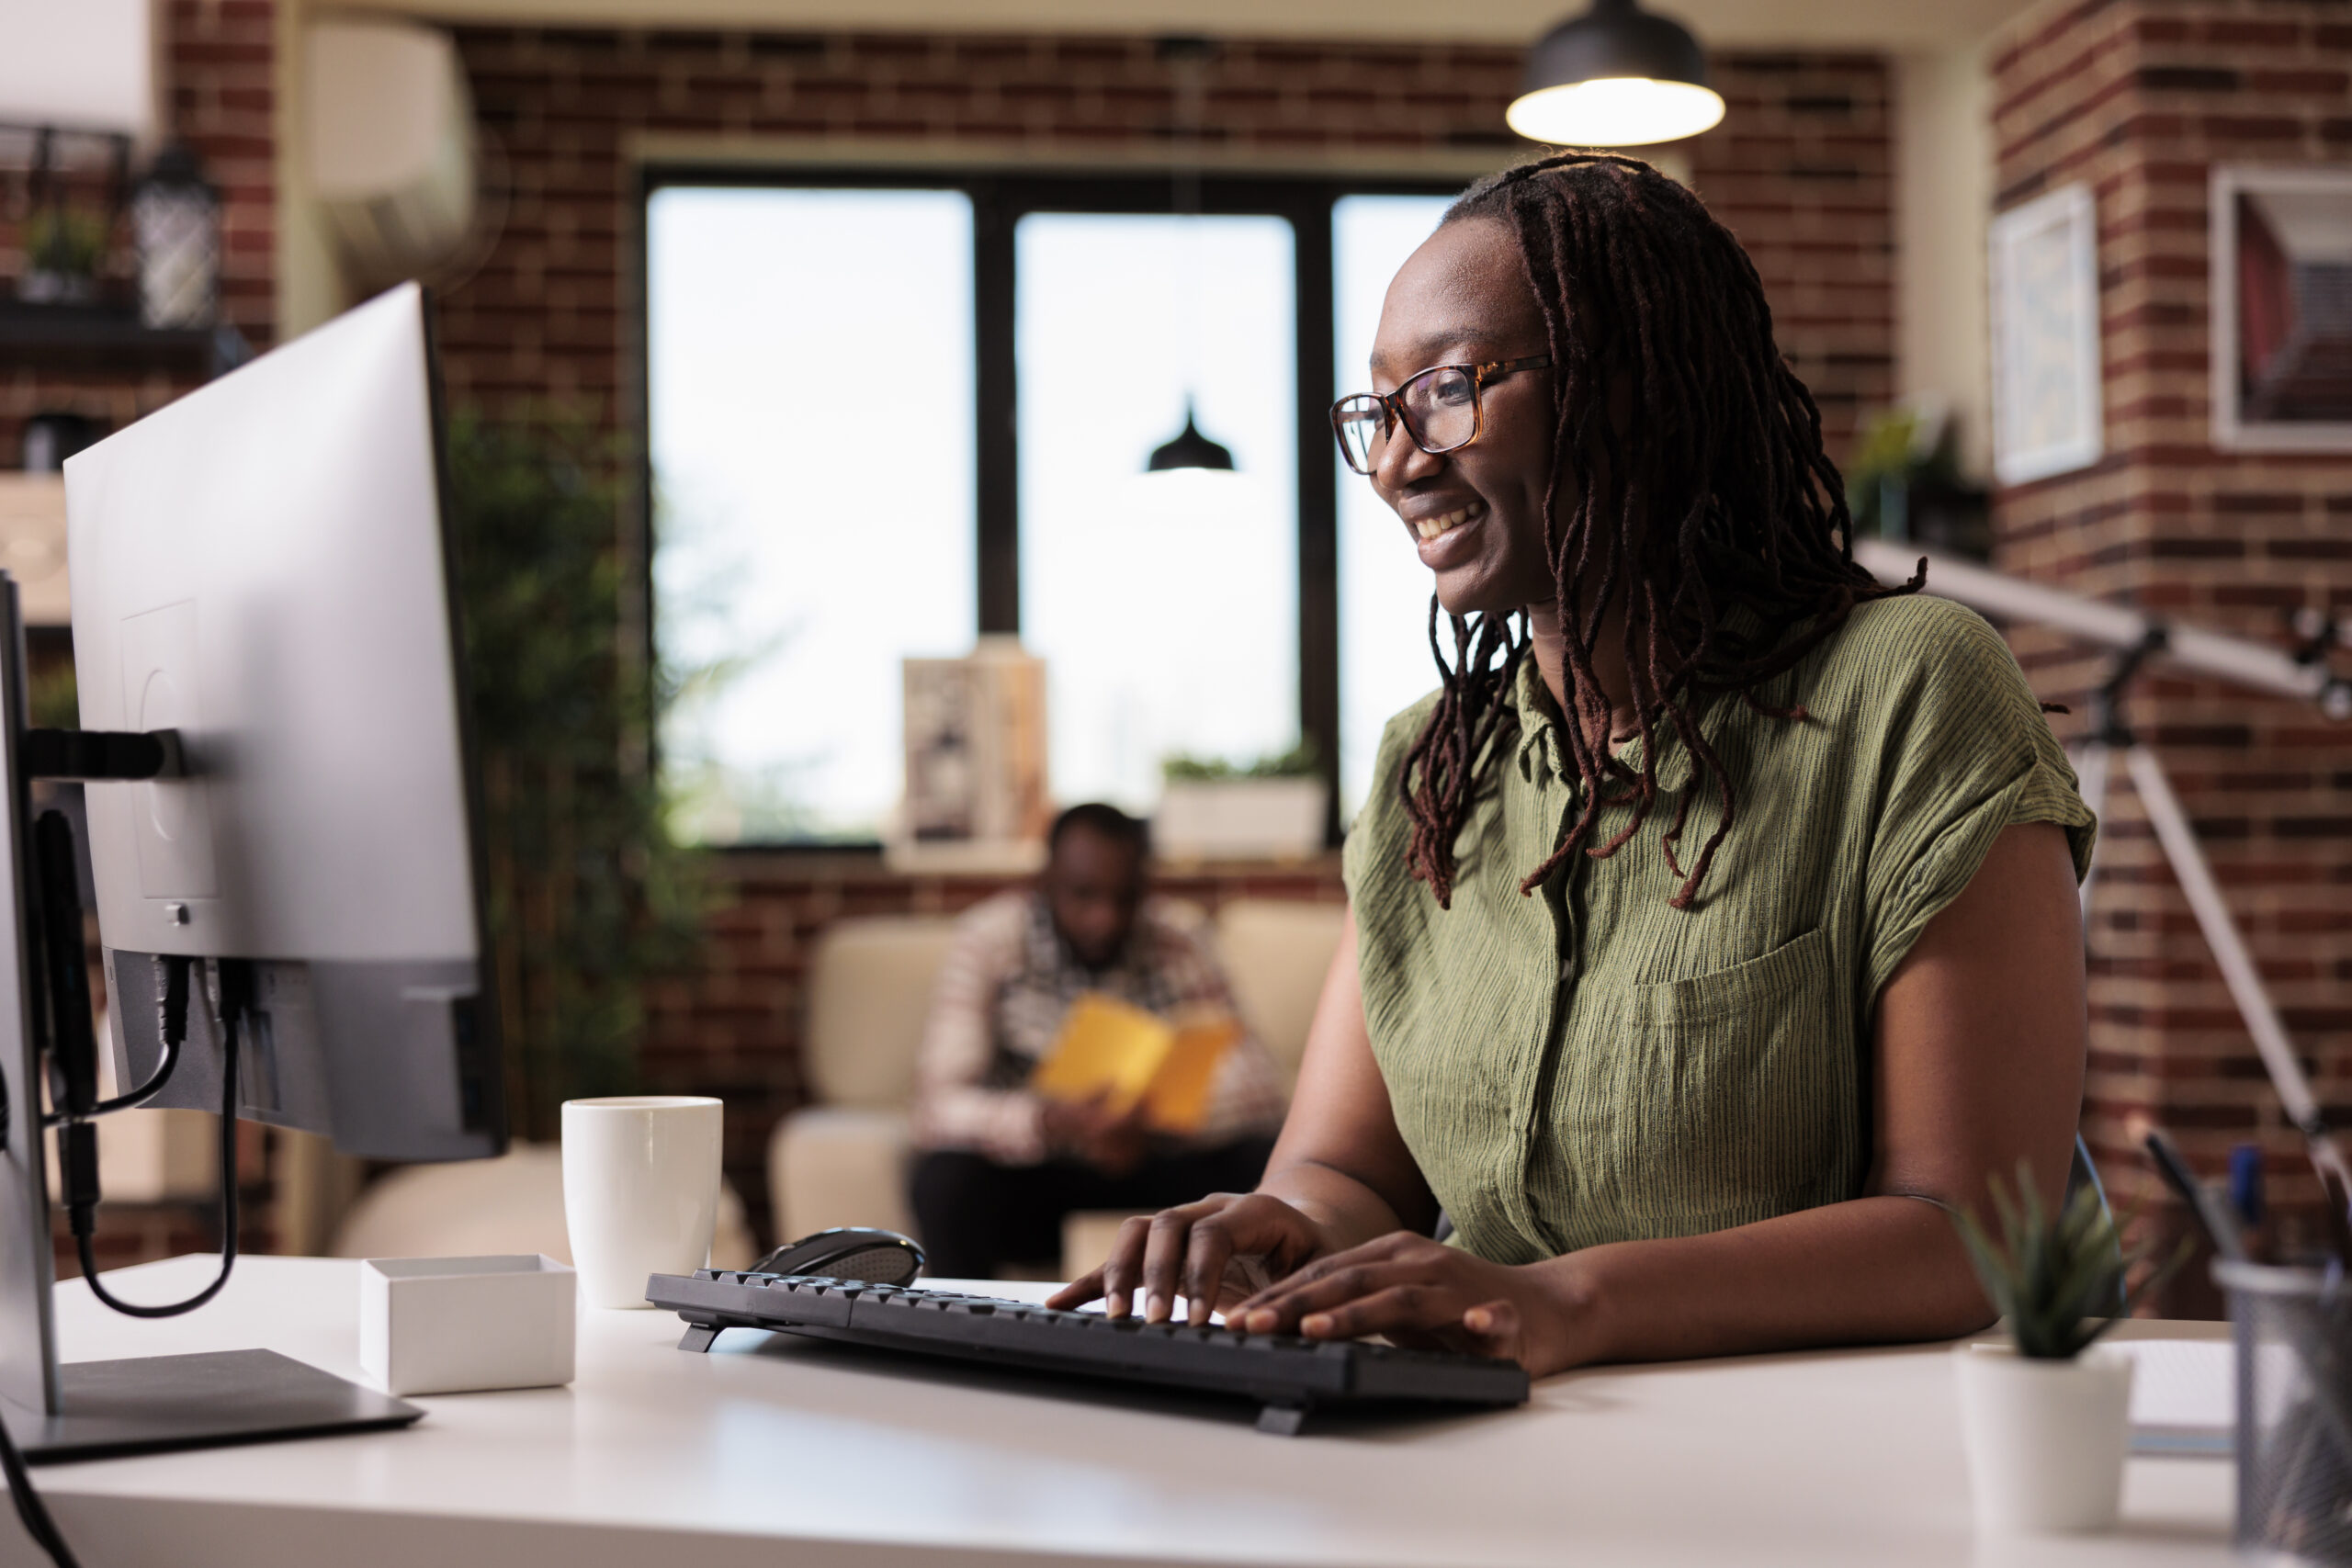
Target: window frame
pixel 1001 197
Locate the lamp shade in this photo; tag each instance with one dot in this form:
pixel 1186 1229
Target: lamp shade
pixel 1616 76
pixel 1191 449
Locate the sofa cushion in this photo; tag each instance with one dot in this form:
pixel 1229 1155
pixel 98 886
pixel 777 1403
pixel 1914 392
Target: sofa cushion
pixel 869 992
pixel 1277 952
pixel 839 1166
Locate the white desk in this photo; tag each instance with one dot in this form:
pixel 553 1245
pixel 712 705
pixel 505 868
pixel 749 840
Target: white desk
pixel 775 1451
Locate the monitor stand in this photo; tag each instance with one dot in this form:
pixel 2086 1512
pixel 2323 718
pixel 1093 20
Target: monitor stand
pixel 150 1404
pixel 97 1409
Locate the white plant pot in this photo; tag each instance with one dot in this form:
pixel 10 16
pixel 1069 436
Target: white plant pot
pixel 2045 1439
pixel 1239 819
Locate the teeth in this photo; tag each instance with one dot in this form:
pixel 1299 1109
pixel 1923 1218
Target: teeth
pixel 1431 527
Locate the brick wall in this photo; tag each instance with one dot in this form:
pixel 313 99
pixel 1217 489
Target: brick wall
pixel 1798 168
pixel 2138 99
pixel 220 55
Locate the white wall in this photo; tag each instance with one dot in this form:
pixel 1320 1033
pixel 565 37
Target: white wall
pixel 1943 201
pixel 81 64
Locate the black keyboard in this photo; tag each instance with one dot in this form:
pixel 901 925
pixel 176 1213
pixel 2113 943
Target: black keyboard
pixel 1287 1375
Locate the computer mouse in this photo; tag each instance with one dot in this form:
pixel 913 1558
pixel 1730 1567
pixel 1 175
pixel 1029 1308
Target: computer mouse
pixel 848 1252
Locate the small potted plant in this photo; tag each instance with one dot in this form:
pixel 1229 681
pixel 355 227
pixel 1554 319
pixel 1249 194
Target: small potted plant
pixel 63 247
pixel 2047 1418
pixel 1270 808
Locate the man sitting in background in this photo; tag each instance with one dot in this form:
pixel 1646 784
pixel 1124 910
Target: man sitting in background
pixel 1001 1165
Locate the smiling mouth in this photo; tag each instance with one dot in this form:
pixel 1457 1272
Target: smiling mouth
pixel 1431 527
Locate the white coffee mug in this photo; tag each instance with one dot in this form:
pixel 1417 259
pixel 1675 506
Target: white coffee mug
pixel 640 1191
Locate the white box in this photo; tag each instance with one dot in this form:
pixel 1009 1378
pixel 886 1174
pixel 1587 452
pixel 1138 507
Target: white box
pixel 453 1324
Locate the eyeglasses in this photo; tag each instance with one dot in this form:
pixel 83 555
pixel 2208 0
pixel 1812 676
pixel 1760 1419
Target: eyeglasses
pixel 1439 409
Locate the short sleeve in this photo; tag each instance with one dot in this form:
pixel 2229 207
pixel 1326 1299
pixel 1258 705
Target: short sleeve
pixel 1963 753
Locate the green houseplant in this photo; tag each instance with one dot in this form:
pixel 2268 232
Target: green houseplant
pixel 63 247
pixel 1298 762
pixel 2046 1418
pixel 1903 482
pixel 2057 1276
pixel 587 896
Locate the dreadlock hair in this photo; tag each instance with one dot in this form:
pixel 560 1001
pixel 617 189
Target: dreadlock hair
pixel 1712 495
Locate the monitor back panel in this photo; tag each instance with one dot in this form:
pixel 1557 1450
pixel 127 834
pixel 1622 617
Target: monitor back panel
pixel 262 566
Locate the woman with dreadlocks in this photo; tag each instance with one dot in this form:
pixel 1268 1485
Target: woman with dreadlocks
pixel 1712 928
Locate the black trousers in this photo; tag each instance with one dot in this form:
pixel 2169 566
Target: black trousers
pixel 976 1215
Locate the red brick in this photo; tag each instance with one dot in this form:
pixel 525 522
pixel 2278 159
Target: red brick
pixel 2115 92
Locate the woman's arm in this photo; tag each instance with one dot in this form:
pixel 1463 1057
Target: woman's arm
pixel 1340 1175
pixel 1979 1042
pixel 1340 1160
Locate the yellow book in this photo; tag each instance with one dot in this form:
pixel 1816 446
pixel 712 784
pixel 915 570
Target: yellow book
pixel 1126 1055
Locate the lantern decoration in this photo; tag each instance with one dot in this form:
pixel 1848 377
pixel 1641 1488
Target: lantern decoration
pixel 175 220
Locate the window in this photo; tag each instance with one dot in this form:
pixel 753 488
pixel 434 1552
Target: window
pixel 809 394
pixel 1165 606
pixel 1384 663
pixel 888 414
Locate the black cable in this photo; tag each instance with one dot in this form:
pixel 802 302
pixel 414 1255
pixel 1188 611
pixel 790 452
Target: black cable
pixel 29 1508
pixel 234 977
pixel 171 1022
pixel 171 1008
pixel 144 1092
pixel 74 1057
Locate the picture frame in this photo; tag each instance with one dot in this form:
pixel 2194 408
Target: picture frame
pixel 2047 413
pixel 2281 338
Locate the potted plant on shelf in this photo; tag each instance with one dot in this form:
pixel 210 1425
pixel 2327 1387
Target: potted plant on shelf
pixel 1270 808
pixel 63 246
pixel 2046 1418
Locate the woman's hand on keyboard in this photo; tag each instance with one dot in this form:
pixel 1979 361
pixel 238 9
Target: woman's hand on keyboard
pixel 1421 1294
pixel 1202 1251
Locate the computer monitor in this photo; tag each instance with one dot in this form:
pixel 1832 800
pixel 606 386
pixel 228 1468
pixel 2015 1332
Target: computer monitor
pixel 263 566
pixel 263 616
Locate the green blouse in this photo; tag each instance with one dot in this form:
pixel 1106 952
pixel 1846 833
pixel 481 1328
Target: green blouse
pixel 1588 1065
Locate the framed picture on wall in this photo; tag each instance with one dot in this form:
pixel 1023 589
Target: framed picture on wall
pixel 2282 309
pixel 2047 413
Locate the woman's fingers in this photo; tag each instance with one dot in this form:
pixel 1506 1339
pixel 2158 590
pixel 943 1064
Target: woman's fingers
pixel 1493 1326
pixel 1383 1309
pixel 1087 1287
pixel 1284 1297
pixel 1285 1307
pixel 1124 1268
pixel 1166 1242
pixel 1398 1285
pixel 1208 1251
pixel 1193 1250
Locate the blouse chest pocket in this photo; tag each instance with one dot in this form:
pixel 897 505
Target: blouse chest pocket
pixel 1729 1096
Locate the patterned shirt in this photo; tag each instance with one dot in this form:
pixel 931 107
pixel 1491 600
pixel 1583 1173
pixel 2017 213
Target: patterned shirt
pixel 1588 1065
pixel 1003 991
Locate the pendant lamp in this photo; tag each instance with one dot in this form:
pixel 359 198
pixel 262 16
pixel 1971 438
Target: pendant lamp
pixel 1616 76
pixel 1188 59
pixel 1191 449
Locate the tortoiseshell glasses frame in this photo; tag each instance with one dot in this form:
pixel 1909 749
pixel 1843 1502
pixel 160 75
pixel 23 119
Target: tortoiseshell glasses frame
pixel 1442 407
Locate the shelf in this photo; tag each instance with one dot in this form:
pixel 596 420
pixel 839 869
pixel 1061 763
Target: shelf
pixel 90 339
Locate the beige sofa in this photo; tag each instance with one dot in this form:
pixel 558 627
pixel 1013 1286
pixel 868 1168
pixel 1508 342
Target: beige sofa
pixel 843 1161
